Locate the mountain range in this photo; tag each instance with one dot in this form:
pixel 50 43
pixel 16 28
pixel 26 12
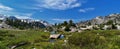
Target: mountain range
pixel 102 19
pixel 38 23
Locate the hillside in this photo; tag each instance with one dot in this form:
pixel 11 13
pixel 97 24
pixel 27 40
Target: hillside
pixel 15 22
pixel 103 19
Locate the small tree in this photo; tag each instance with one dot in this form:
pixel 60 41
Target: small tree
pixel 114 27
pixel 101 26
pixel 110 22
pixel 89 23
pixel 67 28
pixel 55 24
pixel 71 23
pixel 65 23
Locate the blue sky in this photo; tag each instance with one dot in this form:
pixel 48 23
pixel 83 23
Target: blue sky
pixel 55 11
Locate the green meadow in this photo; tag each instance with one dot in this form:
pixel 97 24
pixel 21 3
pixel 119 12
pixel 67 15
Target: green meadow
pixel 30 39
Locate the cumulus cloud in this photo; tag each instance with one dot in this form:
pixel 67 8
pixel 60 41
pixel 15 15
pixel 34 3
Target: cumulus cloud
pixel 86 9
pixel 59 4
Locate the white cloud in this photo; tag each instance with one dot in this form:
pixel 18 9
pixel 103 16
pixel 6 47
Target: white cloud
pixel 61 19
pixel 86 9
pixel 59 4
pixel 17 14
pixel 6 10
pixel 23 17
pixel 3 7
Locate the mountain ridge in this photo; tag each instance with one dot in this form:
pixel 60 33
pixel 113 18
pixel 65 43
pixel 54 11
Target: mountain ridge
pixel 102 19
pixel 37 23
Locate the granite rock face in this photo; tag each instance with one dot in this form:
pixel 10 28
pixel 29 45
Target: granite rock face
pixel 103 19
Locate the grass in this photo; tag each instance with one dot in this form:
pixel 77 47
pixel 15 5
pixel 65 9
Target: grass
pixel 11 37
pixel 40 40
pixel 109 38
